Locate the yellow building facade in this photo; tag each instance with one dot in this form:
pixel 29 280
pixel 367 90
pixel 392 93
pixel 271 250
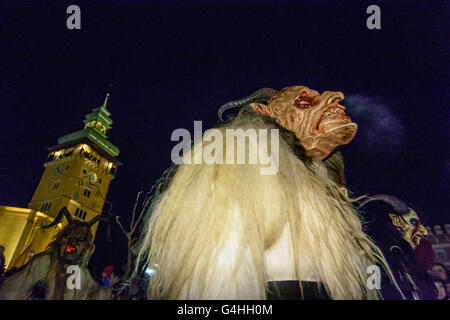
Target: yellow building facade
pixel 77 174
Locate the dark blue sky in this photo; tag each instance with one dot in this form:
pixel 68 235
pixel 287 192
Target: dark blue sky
pixel 173 62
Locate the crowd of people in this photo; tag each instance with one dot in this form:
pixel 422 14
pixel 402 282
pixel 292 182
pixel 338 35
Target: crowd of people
pixel 111 278
pixel 439 275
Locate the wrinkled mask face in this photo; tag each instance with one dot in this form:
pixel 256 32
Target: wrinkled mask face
pixel 410 226
pixel 318 120
pixel 75 242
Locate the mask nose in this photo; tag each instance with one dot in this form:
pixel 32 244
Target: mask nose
pixel 332 97
pixel 423 230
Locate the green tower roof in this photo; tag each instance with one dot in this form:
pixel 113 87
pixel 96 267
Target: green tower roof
pixel 96 124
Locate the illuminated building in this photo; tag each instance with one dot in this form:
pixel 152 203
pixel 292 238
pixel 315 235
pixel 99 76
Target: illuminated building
pixel 77 174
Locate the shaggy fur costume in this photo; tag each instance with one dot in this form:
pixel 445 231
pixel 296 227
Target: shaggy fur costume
pixel 222 231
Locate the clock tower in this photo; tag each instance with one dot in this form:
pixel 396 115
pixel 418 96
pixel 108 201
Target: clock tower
pixel 77 174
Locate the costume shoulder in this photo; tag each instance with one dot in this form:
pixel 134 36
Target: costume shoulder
pixel 88 282
pixel 17 286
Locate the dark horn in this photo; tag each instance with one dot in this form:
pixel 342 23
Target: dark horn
pixel 61 213
pixel 398 205
pixel 103 218
pixel 261 95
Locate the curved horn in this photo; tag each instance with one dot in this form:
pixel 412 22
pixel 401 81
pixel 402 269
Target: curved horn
pixel 394 202
pixel 263 94
pixel 103 218
pixel 61 213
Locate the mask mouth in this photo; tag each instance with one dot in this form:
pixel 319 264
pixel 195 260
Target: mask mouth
pixel 70 249
pixel 333 113
pixel 416 238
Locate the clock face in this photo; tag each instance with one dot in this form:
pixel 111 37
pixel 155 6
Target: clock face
pixel 92 177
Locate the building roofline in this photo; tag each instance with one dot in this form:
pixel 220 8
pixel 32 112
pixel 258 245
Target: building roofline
pixel 90 143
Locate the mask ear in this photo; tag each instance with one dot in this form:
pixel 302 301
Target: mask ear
pixel 395 220
pixel 261 109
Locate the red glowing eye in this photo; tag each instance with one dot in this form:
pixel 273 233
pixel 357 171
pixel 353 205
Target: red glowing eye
pixel 303 100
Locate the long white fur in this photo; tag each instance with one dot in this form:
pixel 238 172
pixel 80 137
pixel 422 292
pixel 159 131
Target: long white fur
pixel 222 231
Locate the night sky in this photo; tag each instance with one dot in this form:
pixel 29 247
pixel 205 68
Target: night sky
pixel 168 63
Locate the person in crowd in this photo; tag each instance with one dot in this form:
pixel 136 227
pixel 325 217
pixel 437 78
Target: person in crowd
pixel 440 288
pixel 440 271
pixel 106 275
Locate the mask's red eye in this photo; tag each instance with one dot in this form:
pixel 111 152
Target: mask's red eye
pixel 303 100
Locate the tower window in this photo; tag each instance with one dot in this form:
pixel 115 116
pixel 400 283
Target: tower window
pixel 46 206
pixel 87 193
pixel 80 214
pixel 56 185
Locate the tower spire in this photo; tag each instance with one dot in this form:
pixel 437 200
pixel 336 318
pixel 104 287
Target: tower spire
pixel 106 100
pixel 96 124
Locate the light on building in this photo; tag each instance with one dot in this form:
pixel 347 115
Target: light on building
pixel 85 148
